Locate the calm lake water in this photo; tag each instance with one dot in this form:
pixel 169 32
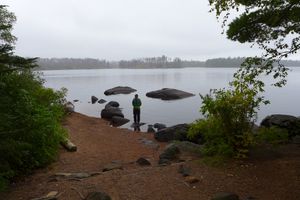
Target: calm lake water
pixel 82 84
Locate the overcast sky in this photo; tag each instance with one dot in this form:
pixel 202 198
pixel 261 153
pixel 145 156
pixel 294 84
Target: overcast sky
pixel 121 29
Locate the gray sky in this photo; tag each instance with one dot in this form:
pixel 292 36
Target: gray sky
pixel 121 29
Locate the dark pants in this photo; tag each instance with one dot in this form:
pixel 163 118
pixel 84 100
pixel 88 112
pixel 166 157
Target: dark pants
pixel 136 115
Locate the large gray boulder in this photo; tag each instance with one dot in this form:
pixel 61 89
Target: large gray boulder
pixel 119 90
pixel 177 132
pixel 109 111
pixel 288 122
pixel 169 94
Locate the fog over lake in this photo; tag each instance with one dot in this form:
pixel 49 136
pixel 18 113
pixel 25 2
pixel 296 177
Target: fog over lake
pixel 82 84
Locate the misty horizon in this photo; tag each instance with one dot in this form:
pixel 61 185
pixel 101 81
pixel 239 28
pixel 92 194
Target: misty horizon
pixel 119 30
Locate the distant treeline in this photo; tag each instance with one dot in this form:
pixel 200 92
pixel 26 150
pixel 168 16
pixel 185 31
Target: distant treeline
pixel 142 63
pixel 71 63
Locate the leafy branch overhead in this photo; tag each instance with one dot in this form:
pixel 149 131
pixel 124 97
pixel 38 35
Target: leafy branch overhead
pixel 274 25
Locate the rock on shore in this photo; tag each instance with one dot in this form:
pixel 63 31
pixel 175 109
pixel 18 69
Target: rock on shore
pixel 288 122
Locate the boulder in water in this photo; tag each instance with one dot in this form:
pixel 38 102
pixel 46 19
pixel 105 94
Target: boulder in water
pixel 169 94
pixel 119 90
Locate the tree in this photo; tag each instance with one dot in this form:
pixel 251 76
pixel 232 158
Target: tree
pixel 8 61
pixel 30 114
pixel 273 25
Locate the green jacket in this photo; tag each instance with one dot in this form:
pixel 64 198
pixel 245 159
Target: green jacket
pixel 136 103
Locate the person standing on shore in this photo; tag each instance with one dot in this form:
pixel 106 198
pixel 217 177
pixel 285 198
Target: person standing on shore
pixel 136 103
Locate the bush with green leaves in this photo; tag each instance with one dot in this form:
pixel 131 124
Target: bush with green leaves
pixel 30 114
pixel 30 118
pixel 229 117
pixel 272 135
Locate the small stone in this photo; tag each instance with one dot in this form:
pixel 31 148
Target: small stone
pixel 185 171
pixel 101 101
pixel 191 179
pixel 52 194
pixel 69 107
pixel 143 162
pixel 69 146
pixel 94 99
pixel 75 100
pixel 97 196
pixel 225 196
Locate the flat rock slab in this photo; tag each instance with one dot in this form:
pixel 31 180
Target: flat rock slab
pixel 119 90
pixel 112 166
pixel 169 94
pixel 134 125
pixel 50 196
pixel 79 175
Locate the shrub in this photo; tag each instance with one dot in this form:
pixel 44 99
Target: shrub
pixel 229 117
pixel 30 118
pixel 272 135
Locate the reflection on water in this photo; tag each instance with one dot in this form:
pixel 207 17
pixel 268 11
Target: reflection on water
pixel 82 84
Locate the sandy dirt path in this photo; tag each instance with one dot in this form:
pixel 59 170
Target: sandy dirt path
pixel 99 144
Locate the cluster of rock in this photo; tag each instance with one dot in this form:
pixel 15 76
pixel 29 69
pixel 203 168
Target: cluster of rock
pixel 114 114
pixel 163 94
pixel 95 99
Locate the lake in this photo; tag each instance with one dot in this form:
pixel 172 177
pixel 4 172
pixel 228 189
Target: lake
pixel 82 84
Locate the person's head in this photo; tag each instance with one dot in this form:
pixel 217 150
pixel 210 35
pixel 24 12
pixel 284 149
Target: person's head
pixel 136 95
